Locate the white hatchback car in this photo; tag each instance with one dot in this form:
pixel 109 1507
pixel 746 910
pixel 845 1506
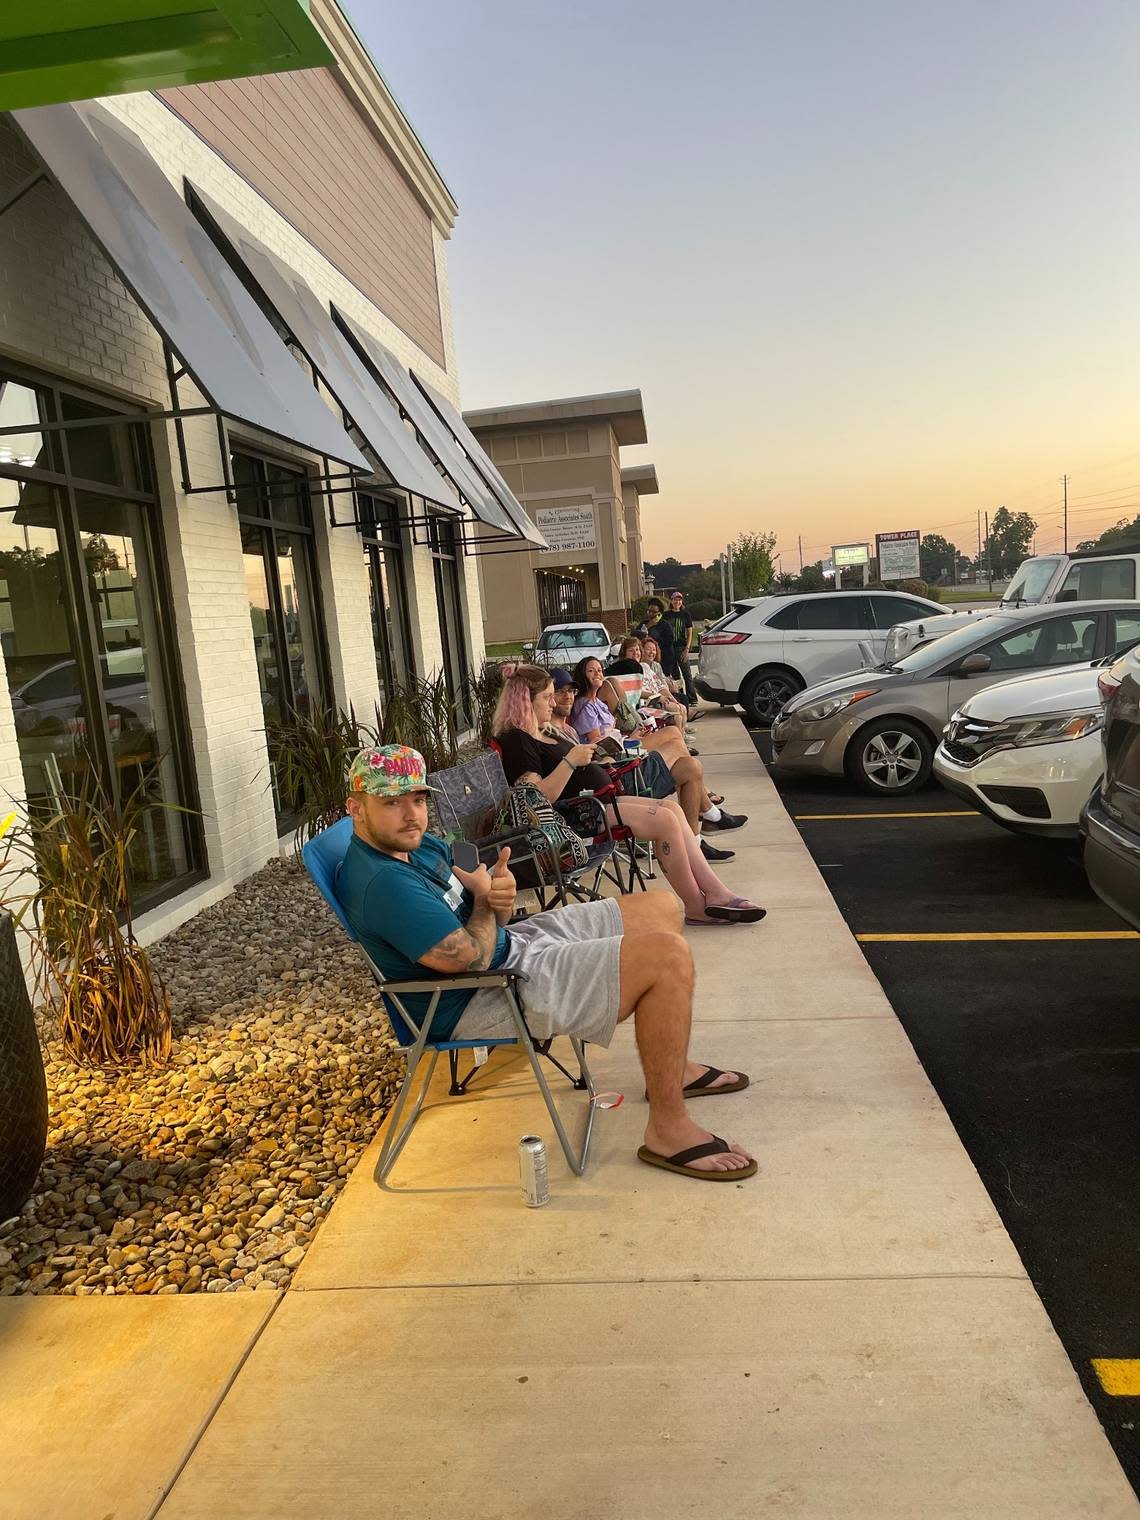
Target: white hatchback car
pixel 1028 752
pixel 768 648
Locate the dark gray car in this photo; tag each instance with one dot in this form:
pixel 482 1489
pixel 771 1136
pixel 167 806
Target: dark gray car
pixel 880 727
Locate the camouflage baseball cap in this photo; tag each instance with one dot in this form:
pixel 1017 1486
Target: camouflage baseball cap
pixel 393 770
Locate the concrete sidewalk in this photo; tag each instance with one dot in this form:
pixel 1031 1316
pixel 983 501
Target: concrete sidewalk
pixel 848 1334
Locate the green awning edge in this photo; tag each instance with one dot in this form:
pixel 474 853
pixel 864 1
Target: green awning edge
pixel 111 47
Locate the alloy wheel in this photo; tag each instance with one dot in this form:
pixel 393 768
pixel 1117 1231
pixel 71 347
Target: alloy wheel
pixel 891 759
pixel 766 695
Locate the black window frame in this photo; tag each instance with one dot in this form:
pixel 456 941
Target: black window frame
pixel 1112 634
pixel 378 516
pixel 1102 564
pixel 864 618
pixel 270 529
pixel 1061 614
pixel 904 603
pixel 65 487
pixel 447 556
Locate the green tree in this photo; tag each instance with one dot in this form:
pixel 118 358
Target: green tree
pixel 938 558
pixel 812 578
pixel 752 566
pixel 1011 533
pixel 1122 534
pixel 666 572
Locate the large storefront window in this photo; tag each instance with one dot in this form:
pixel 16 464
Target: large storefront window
pixel 387 593
pixel 280 578
pixel 449 604
pixel 83 625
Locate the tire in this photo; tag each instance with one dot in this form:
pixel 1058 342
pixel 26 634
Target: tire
pixel 890 757
pixel 765 692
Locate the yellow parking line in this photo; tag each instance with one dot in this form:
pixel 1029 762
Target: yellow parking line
pixel 819 817
pixel 1030 934
pixel 1118 1375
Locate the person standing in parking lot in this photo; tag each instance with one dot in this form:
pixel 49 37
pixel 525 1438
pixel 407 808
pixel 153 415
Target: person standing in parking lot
pixel 679 622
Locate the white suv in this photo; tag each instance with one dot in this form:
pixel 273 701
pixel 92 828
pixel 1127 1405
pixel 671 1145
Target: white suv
pixel 768 648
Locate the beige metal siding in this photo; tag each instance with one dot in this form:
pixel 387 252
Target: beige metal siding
pixel 298 140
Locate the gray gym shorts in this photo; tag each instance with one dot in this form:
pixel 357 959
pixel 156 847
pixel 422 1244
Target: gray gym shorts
pixel 566 987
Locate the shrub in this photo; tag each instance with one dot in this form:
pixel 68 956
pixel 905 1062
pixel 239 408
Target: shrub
pixel 111 1006
pixel 309 755
pixel 420 712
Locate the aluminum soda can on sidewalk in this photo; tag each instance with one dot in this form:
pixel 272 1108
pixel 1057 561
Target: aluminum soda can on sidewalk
pixel 532 1168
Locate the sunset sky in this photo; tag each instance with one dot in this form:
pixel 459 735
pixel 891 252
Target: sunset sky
pixel 873 267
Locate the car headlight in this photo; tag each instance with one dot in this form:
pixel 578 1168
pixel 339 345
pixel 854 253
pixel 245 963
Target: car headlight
pixel 1054 728
pixel 831 705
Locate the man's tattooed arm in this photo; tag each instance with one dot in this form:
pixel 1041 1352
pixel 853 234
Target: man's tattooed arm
pixel 465 950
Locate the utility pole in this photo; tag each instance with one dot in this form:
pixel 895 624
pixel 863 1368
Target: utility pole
pixel 731 576
pixel 1065 484
pixel 989 555
pixel 800 546
pixel 979 540
pixel 723 584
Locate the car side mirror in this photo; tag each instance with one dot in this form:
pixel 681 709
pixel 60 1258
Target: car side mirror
pixel 528 649
pixel 972 665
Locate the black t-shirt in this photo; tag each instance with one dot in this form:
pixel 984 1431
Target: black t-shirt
pixel 624 667
pixel 678 621
pixel 522 752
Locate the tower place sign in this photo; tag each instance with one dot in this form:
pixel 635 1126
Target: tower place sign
pixel 567 530
pixel 898 555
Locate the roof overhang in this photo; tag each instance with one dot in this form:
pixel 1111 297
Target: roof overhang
pixel 642 477
pixel 79 49
pixel 623 411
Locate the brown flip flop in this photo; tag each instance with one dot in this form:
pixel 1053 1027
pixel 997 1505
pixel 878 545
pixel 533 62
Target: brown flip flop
pixel 701 1087
pixel 680 1162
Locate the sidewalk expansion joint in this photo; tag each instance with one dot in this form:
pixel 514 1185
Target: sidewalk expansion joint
pixel 651 1282
pixel 212 1413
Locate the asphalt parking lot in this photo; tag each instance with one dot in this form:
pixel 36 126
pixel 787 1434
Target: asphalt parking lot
pixel 1031 1042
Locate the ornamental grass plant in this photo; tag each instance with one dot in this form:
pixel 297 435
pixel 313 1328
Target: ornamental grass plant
pixel 310 752
pixel 69 890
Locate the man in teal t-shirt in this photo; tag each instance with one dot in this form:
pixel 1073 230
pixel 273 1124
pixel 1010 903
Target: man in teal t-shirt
pixel 393 861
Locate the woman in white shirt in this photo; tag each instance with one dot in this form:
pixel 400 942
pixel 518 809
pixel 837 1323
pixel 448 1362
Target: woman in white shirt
pixel 656 686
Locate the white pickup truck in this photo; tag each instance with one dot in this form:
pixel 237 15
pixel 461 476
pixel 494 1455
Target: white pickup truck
pixel 1091 575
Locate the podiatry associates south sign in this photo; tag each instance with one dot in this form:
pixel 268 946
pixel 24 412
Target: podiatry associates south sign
pixel 567 530
pixel 898 555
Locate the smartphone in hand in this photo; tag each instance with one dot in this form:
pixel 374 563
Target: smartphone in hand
pixel 464 855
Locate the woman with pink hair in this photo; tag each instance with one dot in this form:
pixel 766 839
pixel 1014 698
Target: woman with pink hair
pixel 535 752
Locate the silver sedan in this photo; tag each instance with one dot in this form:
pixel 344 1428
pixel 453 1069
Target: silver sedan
pixel 880 727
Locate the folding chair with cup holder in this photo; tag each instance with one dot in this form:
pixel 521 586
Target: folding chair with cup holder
pixel 322 858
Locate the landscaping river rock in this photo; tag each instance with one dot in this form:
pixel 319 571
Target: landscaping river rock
pixel 213 1174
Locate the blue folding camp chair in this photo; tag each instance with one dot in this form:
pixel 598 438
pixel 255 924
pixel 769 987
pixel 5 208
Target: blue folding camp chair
pixel 323 856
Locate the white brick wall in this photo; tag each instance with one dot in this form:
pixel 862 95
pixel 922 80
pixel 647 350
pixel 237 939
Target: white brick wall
pixel 64 311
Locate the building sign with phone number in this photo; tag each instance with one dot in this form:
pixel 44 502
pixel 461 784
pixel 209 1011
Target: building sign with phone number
pixel 567 529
